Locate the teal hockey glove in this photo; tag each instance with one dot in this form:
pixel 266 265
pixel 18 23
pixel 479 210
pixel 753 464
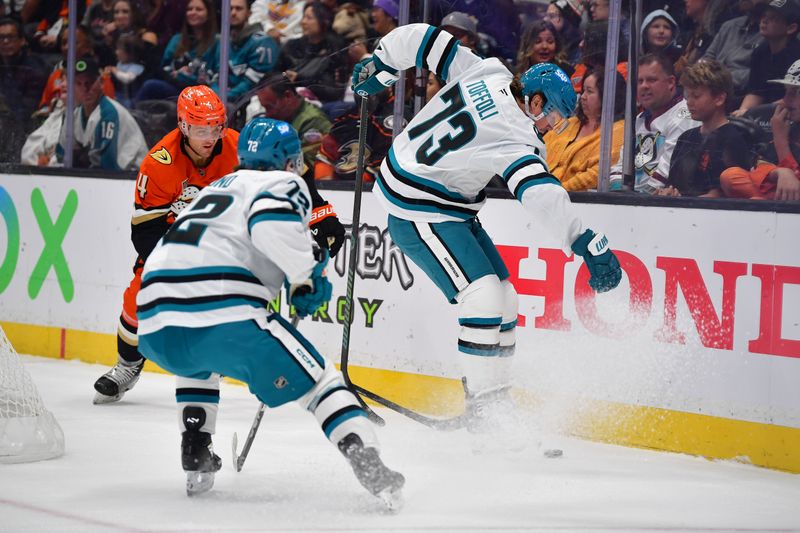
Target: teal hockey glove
pixel 604 270
pixel 309 296
pixel 370 76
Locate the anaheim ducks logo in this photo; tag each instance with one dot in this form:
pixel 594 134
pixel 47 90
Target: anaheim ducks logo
pixel 348 159
pixel 162 156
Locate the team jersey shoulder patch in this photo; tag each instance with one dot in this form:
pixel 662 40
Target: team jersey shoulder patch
pixel 162 155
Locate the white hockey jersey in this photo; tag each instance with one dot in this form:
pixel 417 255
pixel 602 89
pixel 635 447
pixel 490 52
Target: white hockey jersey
pixel 228 254
pixel 471 130
pixel 111 134
pixel 655 141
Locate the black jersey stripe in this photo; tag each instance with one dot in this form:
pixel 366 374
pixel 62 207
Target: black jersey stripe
pixel 211 276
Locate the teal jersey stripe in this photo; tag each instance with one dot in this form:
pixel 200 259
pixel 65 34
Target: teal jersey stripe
pixel 270 196
pixel 493 321
pixel 106 135
pixel 197 307
pixel 196 398
pixel 425 182
pixel 508 325
pixel 519 162
pixel 446 68
pixel 421 60
pixel 419 207
pixel 272 217
pixel 541 181
pixel 336 422
pixel 494 352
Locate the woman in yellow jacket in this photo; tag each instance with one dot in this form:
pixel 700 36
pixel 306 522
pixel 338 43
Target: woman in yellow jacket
pixel 573 154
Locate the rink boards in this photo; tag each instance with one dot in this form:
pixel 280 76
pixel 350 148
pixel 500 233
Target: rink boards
pixel 697 351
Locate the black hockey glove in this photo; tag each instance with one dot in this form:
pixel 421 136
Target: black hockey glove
pixel 605 272
pixel 326 228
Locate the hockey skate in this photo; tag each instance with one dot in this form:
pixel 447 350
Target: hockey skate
pixel 113 385
pixel 370 471
pixel 199 461
pixel 493 420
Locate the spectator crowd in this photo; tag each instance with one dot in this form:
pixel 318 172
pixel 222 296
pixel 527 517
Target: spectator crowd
pixel 717 82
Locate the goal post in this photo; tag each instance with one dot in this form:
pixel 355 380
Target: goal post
pixel 28 431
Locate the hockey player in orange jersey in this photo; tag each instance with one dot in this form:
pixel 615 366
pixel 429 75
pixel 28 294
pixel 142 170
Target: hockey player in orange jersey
pixel 200 150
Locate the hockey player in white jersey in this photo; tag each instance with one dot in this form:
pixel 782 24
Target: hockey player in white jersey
pixel 203 312
pixel 432 185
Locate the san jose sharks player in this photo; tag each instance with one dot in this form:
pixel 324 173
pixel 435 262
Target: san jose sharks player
pixel 432 181
pixel 203 312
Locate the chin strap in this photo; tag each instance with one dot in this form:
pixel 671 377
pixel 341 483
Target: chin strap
pixel 533 117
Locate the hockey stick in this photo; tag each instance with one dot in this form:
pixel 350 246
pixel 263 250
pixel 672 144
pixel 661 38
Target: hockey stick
pixel 238 460
pixel 351 266
pixel 443 424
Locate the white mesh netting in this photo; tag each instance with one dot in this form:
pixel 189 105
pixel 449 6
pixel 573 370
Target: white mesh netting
pixel 28 431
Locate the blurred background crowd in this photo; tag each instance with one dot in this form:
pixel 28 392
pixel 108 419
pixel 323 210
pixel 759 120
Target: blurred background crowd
pixel 717 88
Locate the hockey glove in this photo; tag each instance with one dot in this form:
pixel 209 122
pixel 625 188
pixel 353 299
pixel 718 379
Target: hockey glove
pixel 326 228
pixel 370 76
pixel 309 296
pixel 604 269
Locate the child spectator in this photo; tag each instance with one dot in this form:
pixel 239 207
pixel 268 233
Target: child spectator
pixel 702 153
pixel 664 119
pixel 771 59
pixel 128 70
pixel 660 35
pixel 573 154
pixel 768 180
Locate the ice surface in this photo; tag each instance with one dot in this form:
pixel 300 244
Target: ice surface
pixel 121 472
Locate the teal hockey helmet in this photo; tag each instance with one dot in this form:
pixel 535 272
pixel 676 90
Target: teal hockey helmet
pixel 554 84
pixel 268 144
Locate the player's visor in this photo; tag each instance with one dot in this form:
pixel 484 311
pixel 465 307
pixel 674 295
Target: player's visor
pixel 205 133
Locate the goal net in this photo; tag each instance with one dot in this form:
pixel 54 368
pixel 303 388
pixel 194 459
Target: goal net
pixel 28 431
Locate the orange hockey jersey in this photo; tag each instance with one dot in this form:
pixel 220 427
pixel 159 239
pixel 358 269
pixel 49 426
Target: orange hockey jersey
pixel 168 181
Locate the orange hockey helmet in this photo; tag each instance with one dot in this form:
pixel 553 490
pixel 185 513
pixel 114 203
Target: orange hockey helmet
pixel 201 113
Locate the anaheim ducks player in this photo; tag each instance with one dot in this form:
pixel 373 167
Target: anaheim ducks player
pixel 200 150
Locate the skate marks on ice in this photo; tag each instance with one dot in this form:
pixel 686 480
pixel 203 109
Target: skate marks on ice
pixel 122 472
